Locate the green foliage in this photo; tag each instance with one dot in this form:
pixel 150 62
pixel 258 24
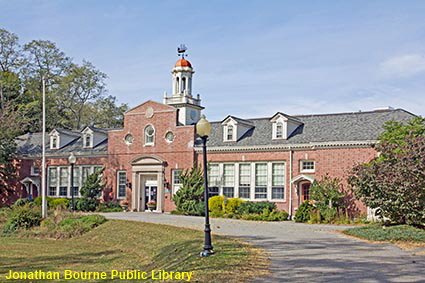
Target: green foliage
pixel 109 207
pixel 90 191
pixel 394 184
pixel 326 192
pixel 61 203
pixel 254 207
pixel 38 200
pixel 216 205
pixel 396 132
pixel 232 205
pixel 21 202
pixel 328 214
pixel 303 212
pixel 22 217
pixel 189 199
pixel 390 233
pixel 267 215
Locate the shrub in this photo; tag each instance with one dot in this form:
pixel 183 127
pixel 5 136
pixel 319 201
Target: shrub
pixel 189 198
pixel 303 212
pixel 216 205
pixel 328 214
pixel 109 207
pixel 21 202
pixel 62 203
pixel 90 191
pixel 24 217
pixel 232 205
pixel 86 204
pixel 38 200
pixel 249 207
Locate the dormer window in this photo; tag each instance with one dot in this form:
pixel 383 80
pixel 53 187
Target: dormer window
pixel 149 135
pixel 279 130
pixel 54 142
pixel 87 140
pixel 229 133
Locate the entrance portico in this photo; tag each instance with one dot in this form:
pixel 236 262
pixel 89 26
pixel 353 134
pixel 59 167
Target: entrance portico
pixel 148 182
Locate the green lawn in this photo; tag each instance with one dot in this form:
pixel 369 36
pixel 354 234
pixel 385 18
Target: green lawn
pixel 390 233
pixel 126 245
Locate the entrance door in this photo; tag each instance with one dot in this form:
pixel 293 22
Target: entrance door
pixel 151 187
pixel 305 190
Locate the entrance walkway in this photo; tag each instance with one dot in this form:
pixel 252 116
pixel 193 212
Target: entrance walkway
pixel 307 253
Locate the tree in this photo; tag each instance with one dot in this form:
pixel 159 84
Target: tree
pixel 326 192
pixel 105 113
pixel 394 183
pixel 90 191
pixel 189 199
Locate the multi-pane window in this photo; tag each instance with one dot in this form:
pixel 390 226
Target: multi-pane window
pixel 278 180
pixel 214 180
pixel 121 183
pixel 279 130
pixel 244 180
pixel 229 180
pixel 87 140
pixel 54 142
pixel 149 135
pixel 229 133
pixel 76 181
pixel 63 181
pixel 176 179
pixel 307 166
pixel 53 181
pixel 261 180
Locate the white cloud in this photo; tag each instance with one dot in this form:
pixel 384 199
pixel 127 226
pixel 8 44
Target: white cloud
pixel 403 66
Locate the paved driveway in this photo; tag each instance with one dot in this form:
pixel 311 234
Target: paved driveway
pixel 307 253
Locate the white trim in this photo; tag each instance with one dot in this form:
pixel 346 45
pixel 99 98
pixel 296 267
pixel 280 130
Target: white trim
pixel 145 143
pixel 302 146
pixel 307 170
pixel 118 184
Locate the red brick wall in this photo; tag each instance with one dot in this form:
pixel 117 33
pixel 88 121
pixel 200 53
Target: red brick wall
pixel 178 155
pixel 336 162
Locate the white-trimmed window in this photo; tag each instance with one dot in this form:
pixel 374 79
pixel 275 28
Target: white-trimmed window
pixel 278 180
pixel 149 135
pixel 63 181
pixel 214 180
pixel 88 140
pixel 175 174
pixel 76 181
pixel 245 180
pixel 54 142
pixel 307 166
pixel 53 181
pixel 229 133
pixel 35 170
pixel 279 130
pixel 121 184
pixel 229 180
pixel 261 181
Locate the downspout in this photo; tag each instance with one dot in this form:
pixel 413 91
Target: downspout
pixel 290 183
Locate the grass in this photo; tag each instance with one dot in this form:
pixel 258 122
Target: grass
pixel 390 233
pixel 126 245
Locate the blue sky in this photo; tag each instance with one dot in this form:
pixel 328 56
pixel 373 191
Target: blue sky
pixel 252 58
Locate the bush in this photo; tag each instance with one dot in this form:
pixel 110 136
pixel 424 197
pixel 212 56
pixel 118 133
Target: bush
pixel 21 202
pixel 216 205
pixel 109 207
pixel 249 207
pixel 38 200
pixel 303 212
pixel 61 203
pixel 22 217
pixel 233 205
pixel 189 199
pixel 328 214
pixel 391 233
pixel 87 204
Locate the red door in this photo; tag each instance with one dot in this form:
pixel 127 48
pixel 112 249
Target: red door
pixel 305 188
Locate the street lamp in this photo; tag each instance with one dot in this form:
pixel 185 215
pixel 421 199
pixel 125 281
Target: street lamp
pixel 203 129
pixel 72 159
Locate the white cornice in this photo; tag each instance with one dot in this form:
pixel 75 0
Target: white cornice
pixel 280 147
pixel 85 155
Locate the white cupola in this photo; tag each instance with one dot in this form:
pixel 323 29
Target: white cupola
pixel 189 107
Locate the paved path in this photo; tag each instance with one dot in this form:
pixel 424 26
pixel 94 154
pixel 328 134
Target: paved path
pixel 307 253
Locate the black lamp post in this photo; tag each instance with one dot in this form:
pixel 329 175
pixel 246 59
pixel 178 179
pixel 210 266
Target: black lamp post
pixel 203 129
pixel 72 159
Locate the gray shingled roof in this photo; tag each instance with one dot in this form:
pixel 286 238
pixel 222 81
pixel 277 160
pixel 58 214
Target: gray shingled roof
pixel 356 126
pixel 30 145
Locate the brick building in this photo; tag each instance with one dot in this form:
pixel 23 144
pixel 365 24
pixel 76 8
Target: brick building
pixel 264 159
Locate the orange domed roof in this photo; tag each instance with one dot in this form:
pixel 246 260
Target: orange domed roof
pixel 183 63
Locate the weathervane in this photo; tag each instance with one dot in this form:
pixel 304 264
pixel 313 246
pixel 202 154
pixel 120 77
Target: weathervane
pixel 181 50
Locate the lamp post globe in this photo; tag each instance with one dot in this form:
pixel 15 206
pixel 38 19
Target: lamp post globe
pixel 72 159
pixel 203 129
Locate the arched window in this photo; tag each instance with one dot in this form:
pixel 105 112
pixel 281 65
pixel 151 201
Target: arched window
pixel 279 130
pixel 149 135
pixel 183 84
pixel 177 84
